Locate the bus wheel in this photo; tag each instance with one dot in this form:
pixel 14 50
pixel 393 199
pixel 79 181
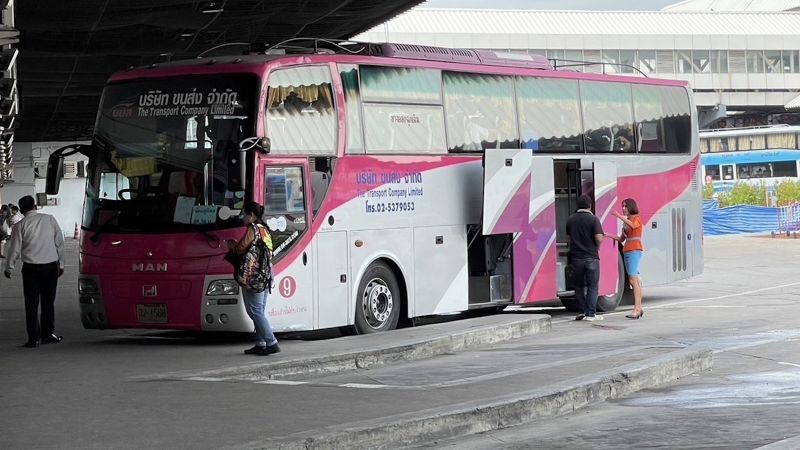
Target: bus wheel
pixel 608 303
pixel 378 303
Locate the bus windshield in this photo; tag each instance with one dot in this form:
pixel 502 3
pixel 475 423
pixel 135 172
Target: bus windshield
pixel 167 156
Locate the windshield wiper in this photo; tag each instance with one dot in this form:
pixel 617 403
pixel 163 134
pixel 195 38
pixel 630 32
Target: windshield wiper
pixel 96 236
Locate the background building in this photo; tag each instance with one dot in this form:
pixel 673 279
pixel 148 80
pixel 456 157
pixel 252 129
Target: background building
pixel 30 169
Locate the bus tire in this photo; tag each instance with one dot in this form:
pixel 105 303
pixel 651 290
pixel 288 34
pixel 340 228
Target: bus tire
pixel 378 301
pixel 608 303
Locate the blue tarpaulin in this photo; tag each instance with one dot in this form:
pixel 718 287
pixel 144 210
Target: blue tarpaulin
pixel 739 219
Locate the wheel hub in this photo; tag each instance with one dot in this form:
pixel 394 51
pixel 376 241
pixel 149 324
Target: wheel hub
pixel 377 303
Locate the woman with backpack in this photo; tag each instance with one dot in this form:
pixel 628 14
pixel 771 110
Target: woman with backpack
pixel 254 275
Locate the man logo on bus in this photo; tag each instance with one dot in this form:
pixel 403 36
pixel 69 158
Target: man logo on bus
pixel 150 267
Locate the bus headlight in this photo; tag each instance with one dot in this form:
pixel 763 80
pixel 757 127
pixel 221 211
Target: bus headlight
pixel 87 286
pixel 223 287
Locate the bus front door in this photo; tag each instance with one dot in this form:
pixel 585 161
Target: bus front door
pixel 285 189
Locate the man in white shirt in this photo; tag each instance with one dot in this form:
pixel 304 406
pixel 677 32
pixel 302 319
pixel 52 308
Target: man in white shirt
pixel 38 241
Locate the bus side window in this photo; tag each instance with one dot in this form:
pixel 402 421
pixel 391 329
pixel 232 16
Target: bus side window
pixel 284 206
pixel 607 116
pixel 663 115
pixel 480 112
pixel 300 112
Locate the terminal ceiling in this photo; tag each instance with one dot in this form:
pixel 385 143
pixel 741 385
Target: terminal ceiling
pixel 69 48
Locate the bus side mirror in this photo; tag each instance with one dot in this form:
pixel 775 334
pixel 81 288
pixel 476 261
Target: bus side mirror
pixel 55 173
pixel 265 144
pixel 261 143
pixel 55 164
pixel 237 169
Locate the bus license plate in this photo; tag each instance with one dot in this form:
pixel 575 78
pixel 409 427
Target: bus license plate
pixel 151 313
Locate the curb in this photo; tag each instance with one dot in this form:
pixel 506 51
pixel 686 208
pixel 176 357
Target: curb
pixel 479 416
pixel 375 355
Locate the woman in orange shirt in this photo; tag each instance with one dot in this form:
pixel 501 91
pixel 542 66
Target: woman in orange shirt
pixel 632 250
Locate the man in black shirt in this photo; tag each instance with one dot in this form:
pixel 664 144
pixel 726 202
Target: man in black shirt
pixel 585 236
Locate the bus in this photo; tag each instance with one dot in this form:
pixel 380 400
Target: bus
pixel 756 155
pixel 398 181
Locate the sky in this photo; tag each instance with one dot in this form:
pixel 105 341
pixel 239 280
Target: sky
pixel 588 5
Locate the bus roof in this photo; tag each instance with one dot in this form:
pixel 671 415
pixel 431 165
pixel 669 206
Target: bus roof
pixel 484 61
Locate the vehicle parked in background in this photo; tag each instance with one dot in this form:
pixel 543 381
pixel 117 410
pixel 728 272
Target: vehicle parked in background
pixel 764 155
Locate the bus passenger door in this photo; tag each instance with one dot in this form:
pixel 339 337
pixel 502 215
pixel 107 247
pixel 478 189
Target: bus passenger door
pixel 506 190
pixel 605 200
pixel 287 216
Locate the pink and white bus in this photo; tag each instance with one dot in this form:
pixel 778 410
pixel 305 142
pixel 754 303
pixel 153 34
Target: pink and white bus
pixel 398 181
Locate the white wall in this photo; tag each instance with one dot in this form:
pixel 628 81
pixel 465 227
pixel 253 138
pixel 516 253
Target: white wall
pixel 69 209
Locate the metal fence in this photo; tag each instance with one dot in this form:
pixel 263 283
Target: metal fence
pixel 789 218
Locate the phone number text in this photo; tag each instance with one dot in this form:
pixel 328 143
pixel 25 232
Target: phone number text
pixel 389 207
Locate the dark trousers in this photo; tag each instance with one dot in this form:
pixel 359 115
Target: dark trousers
pixel 586 273
pixel 39 282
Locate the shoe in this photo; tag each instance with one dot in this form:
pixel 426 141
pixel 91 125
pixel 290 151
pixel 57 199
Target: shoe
pixel 255 350
pixel 580 316
pixel 31 344
pixel 268 350
pixel 593 318
pixel 52 339
pixel 634 316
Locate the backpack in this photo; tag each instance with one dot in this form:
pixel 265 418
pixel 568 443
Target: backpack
pixel 255 269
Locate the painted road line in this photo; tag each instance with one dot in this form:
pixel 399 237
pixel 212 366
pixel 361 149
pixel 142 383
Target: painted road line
pixel 668 305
